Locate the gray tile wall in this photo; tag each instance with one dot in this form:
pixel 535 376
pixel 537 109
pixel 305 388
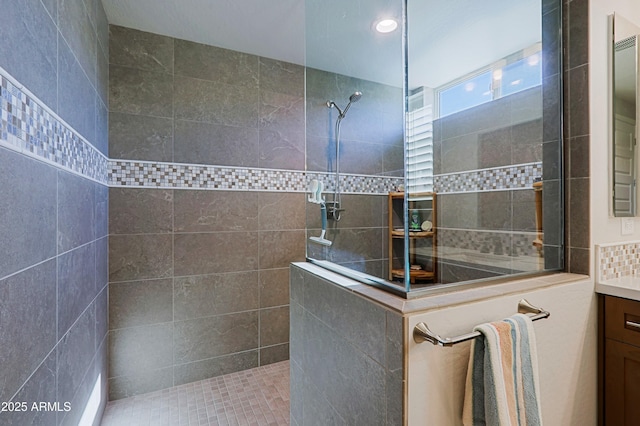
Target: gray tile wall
pixel 346 356
pixel 576 135
pixel 359 240
pixel 371 143
pixel 372 133
pixel 53 269
pixel 505 132
pixel 201 277
pixel 552 146
pixel 486 136
pixel 58 50
pixel 202 104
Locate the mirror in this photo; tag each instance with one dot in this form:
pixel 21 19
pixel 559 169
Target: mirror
pixel 624 117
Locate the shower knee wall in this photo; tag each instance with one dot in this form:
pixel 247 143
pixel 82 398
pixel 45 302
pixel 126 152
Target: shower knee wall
pixel 353 357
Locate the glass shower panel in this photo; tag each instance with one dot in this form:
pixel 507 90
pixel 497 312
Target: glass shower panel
pixel 484 78
pixel 354 130
pixel 434 152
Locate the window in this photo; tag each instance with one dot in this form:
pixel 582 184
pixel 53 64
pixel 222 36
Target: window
pixel 518 72
pixel 419 170
pixel 515 73
pixel 466 94
pixel 521 75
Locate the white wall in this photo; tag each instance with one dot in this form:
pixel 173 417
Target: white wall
pixel 604 228
pixel 567 356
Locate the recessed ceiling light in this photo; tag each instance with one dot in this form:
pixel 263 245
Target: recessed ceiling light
pixel 386 25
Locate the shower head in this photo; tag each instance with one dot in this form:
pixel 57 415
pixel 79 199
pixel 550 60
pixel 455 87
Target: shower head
pixel 353 98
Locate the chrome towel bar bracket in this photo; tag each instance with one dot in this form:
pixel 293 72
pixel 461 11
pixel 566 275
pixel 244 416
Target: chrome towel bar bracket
pixel 422 333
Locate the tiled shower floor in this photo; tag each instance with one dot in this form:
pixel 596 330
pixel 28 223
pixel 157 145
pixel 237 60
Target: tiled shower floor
pixel 259 396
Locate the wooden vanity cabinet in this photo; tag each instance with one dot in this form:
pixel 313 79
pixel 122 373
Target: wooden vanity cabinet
pixel 621 361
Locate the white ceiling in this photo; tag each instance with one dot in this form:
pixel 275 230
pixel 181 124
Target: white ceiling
pixel 446 38
pixel 273 29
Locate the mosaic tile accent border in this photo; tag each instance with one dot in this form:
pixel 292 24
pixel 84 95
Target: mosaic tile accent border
pixel 358 184
pixel 194 176
pixel 507 243
pixel 518 176
pixel 29 127
pixel 618 260
pixel 170 175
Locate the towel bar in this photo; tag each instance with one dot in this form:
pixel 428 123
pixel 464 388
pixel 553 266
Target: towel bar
pixel 421 332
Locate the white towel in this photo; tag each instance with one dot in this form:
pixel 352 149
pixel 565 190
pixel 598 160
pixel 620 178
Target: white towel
pixel 502 379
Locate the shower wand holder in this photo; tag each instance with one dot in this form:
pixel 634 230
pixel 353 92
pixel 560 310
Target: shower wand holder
pixel 315 190
pixel 334 210
pixel 315 200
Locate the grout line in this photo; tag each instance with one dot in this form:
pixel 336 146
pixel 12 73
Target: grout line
pixel 173 286
pixel 58 337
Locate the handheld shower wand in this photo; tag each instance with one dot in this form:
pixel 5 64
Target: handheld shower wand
pixel 334 208
pixel 353 98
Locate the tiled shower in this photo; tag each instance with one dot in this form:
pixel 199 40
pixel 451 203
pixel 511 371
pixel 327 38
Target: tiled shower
pixel 198 278
pixel 111 275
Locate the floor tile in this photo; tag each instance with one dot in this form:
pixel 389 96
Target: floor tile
pixel 259 396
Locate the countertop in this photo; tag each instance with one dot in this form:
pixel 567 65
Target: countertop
pixel 627 287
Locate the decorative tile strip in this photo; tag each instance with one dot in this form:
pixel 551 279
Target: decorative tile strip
pixel 618 260
pixel 194 176
pixel 498 178
pixel 512 243
pixel 29 127
pixel 358 184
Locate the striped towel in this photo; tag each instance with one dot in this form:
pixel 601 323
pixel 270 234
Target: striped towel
pixel 502 379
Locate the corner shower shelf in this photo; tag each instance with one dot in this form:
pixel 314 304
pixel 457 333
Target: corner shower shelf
pixel 420 275
pixel 420 242
pixel 416 234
